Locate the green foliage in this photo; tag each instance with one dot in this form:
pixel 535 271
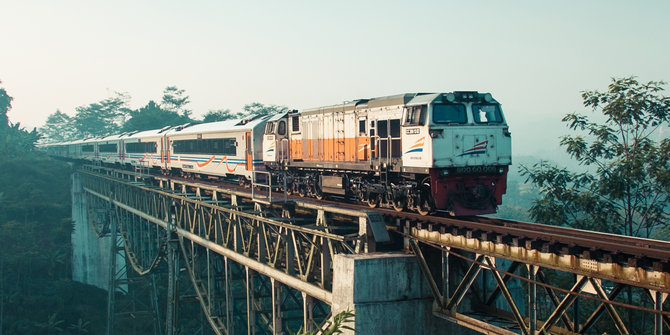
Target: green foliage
pixel 626 188
pixel 152 116
pixel 59 127
pixel 257 108
pixel 102 118
pixel 174 100
pixel 37 295
pixel 52 326
pixel 251 110
pixel 220 115
pixel 5 106
pixel 335 326
pixel 13 138
pixel 81 327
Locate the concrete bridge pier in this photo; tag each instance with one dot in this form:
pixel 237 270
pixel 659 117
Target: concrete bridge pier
pixel 387 292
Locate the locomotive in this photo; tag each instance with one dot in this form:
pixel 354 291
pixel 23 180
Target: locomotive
pixel 424 152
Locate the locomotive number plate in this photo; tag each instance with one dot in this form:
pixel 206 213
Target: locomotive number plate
pixel 412 131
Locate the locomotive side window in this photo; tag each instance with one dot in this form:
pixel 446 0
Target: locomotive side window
pixel 449 113
pixel 395 127
pixel 382 128
pixel 486 113
pixel 216 146
pixel 87 148
pixel 361 127
pixel 281 128
pixel 416 116
pixel 295 124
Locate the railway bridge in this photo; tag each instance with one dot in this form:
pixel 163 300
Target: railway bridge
pixel 193 257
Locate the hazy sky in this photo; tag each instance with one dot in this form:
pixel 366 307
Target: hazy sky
pixel 535 57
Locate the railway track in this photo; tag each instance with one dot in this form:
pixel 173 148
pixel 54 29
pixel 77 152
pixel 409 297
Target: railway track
pixel 605 247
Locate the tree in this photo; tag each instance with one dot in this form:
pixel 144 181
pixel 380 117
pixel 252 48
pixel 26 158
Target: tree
pixel 152 116
pixel 174 100
pixel 626 185
pixel 102 118
pixel 58 128
pixel 5 106
pixel 257 108
pixel 13 138
pixel 220 115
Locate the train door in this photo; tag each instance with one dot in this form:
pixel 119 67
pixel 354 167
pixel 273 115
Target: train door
pixel 362 140
pixel 389 145
pixel 249 156
pixel 282 139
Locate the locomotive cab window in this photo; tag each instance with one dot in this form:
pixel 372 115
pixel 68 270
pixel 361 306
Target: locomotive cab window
pixel 486 113
pixel 449 113
pixel 281 127
pixel 416 116
pixel 269 128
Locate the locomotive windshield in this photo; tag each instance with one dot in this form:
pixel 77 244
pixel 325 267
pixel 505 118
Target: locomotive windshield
pixel 449 113
pixel 486 113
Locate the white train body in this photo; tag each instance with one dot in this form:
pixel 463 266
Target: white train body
pixel 420 151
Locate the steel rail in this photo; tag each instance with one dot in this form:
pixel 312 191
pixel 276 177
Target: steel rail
pixel 639 241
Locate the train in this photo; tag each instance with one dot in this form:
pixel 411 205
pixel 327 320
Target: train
pixel 423 152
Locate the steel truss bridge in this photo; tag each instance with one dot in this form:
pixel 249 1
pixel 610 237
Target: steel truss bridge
pixel 247 265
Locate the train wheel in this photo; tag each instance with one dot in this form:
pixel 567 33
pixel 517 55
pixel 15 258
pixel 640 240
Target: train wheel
pixel 318 194
pixel 374 200
pixel 424 207
pixel 400 204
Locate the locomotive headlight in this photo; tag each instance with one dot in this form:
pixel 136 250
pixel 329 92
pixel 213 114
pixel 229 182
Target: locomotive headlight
pixel 434 133
pixel 450 97
pixel 501 170
pixel 444 172
pixel 488 97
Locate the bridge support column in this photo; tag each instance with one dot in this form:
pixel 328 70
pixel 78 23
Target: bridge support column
pixel 251 309
pixel 307 312
pixel 276 307
pixel 385 290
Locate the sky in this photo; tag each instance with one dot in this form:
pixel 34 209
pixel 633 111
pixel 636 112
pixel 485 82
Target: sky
pixel 535 57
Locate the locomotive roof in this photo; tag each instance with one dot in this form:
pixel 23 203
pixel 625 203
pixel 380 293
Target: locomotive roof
pixel 392 100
